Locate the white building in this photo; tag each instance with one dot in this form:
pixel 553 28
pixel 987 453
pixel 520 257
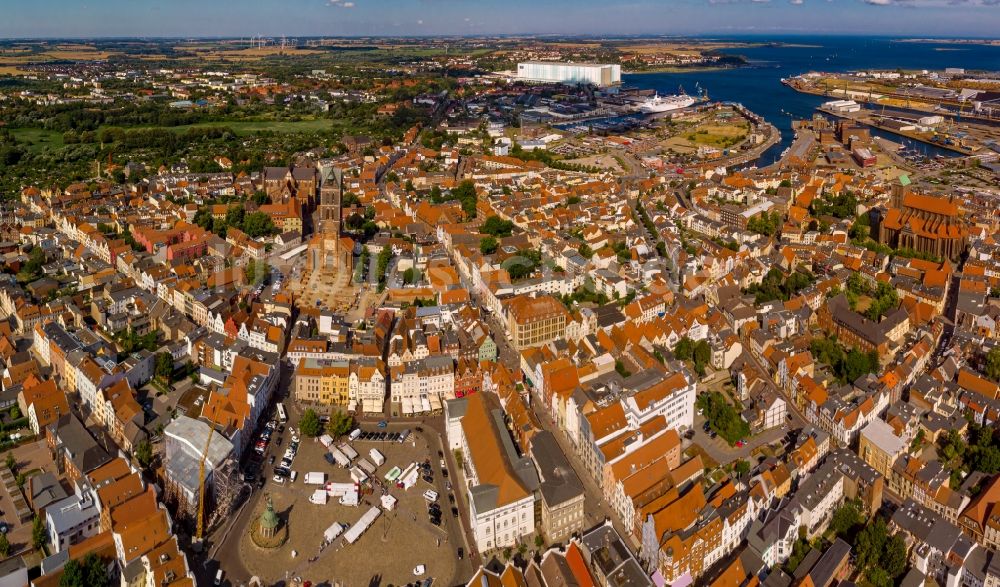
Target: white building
pixel 672 397
pixel 73 519
pixel 423 385
pixel 501 485
pixel 598 74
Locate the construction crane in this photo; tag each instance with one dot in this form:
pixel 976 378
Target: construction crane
pixel 201 487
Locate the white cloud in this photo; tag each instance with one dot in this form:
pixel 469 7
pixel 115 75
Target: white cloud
pixel 340 4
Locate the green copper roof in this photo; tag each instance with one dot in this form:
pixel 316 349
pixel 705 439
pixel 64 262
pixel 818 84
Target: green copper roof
pixel 269 519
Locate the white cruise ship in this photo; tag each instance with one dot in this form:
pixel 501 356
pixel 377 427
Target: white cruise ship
pixel 659 103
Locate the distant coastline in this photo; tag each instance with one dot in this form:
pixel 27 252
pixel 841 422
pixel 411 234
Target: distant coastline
pixel 983 42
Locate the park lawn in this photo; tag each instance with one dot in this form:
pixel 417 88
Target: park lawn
pixel 718 135
pixel 38 139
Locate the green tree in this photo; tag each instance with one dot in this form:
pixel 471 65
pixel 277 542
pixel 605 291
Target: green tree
pixel 846 520
pixel 164 367
pixel 893 559
pixel 497 226
pixel 144 453
pixel 621 369
pixel 585 251
pixel 870 543
pixel 951 446
pixel 878 577
pixel 742 467
pixel 384 256
pixel 465 193
pixel 488 245
pixel 235 215
pixel 993 363
pixel 340 423
pixel 258 224
pixel 39 536
pixel 861 229
pixel 310 425
pixel 723 417
pixel 89 572
pixel 702 355
pixel 684 349
pixel 11 462
pixel 4 546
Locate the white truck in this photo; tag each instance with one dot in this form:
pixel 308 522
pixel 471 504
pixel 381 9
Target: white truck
pixel 377 457
pixel 314 478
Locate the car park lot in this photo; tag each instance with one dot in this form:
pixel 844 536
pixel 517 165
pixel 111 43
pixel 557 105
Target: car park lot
pixel 416 532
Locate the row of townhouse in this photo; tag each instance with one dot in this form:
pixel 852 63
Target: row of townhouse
pixel 358 384
pixel 422 385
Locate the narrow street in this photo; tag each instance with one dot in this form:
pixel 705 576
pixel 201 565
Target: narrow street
pixel 596 510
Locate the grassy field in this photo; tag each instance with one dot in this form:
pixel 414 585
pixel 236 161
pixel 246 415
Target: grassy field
pixel 38 138
pixel 719 135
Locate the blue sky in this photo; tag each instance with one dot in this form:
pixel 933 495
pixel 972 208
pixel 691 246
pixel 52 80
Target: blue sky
pixel 190 18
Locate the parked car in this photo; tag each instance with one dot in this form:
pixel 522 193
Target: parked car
pixel 460 552
pixel 270 461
